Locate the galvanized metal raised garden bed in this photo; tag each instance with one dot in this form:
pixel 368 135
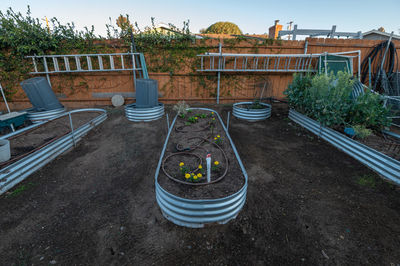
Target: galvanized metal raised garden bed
pixel 136 114
pixel 37 117
pixel 196 213
pixel 252 115
pixel 377 161
pixel 21 169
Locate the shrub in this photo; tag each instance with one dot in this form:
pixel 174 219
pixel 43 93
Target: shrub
pixel 327 98
pixel 295 91
pixel 368 111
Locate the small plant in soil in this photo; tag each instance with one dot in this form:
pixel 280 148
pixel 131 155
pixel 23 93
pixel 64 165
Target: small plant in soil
pixel 192 177
pixel 183 168
pixel 361 131
pixel 181 108
pixel 218 140
pixel 202 115
pixel 201 169
pixel 193 119
pixel 216 167
pixel 256 105
pixel 212 126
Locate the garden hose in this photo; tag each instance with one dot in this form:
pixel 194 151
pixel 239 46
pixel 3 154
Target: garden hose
pixel 376 55
pixel 197 146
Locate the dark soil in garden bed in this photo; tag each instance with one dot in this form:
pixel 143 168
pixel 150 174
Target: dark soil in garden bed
pixel 28 142
pixel 385 144
pixel 307 204
pixel 186 136
pixel 253 106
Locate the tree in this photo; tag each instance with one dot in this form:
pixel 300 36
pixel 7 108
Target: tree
pixel 223 28
pixel 124 23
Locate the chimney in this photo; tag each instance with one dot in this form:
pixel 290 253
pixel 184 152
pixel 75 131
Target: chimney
pixel 274 30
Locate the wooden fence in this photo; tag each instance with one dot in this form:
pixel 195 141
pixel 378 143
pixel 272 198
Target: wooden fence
pixel 88 90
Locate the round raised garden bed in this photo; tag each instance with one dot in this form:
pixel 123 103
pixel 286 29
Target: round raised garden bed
pixel 136 114
pixel 37 117
pixel 252 112
pixel 183 192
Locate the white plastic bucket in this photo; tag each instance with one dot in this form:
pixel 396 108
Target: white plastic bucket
pixel 4 150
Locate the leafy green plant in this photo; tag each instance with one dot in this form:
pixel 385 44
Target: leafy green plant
pixel 327 98
pixel 216 167
pixel 256 105
pixel 361 131
pixel 193 119
pixel 296 90
pixel 368 111
pixel 218 140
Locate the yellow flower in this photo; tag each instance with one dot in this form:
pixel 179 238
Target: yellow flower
pixel 218 136
pixel 199 175
pixel 181 164
pixel 212 113
pixel 187 176
pixel 213 119
pixel 216 163
pixel 215 138
pixel 195 177
pixel 196 117
pixel 200 166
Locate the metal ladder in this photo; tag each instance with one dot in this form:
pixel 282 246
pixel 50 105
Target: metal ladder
pixel 76 63
pixel 225 62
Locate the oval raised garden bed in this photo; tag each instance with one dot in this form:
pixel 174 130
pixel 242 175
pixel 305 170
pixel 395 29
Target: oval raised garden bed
pixel 377 161
pixel 183 193
pixel 252 112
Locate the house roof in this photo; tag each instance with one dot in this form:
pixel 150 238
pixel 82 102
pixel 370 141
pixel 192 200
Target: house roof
pixel 386 34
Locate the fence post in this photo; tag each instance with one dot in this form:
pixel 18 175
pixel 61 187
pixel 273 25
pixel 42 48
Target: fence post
pixel 219 68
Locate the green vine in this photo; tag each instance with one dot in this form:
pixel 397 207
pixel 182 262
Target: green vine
pixel 172 51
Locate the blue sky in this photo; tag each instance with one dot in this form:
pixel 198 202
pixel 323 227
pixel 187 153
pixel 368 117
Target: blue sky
pixel 250 16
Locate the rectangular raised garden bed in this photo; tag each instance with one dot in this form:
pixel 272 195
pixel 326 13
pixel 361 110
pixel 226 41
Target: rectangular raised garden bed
pixel 377 161
pixel 21 169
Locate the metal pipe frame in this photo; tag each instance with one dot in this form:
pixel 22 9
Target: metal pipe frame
pixel 18 171
pixel 196 213
pixel 382 164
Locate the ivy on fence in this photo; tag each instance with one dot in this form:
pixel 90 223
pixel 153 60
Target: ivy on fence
pixel 167 51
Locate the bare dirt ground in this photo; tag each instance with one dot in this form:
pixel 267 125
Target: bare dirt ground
pixel 307 204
